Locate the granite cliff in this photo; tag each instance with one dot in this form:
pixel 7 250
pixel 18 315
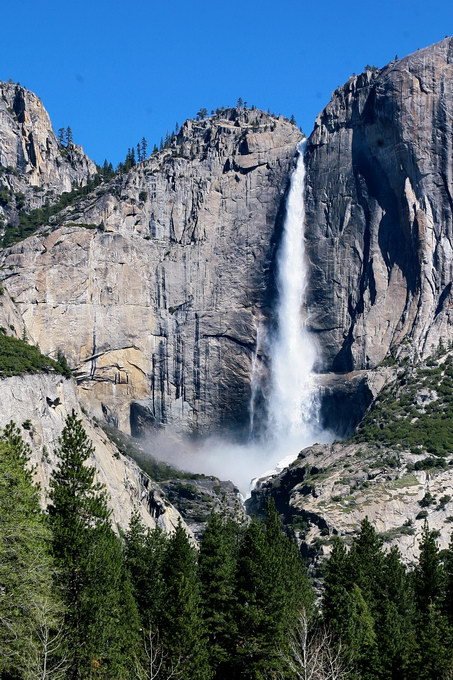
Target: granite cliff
pixel 39 404
pixel 153 286
pixel 379 213
pixel 156 284
pixel 34 167
pixel 379 238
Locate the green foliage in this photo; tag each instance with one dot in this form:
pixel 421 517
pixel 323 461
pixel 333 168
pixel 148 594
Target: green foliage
pixel 430 463
pixel 5 197
pixel 368 601
pixel 422 514
pixel 428 575
pixel 29 606
pixel 181 623
pixel 18 357
pixel 226 612
pixel 144 553
pixel 398 419
pixel 428 499
pixel 217 568
pixel 272 589
pixel 63 363
pixel 431 590
pixel 100 614
pixel 31 221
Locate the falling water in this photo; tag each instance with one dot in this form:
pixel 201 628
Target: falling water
pixel 291 403
pixel 254 381
pixel 291 395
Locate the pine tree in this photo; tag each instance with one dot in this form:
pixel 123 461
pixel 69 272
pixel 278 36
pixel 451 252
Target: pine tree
pixel 30 611
pixel 362 640
pixel 429 578
pixel 345 607
pixel 143 148
pixel 111 619
pixel 101 619
pixel 68 134
pixel 434 636
pixel 367 564
pixel 395 621
pixel 217 564
pixel 272 590
pixel 448 599
pixel 435 645
pixel 337 585
pixel 106 171
pixel 182 628
pixel 61 136
pixel 144 554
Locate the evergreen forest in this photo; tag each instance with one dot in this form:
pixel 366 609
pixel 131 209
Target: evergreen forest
pixel 80 601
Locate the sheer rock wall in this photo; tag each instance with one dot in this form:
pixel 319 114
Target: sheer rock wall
pixel 154 285
pixel 380 213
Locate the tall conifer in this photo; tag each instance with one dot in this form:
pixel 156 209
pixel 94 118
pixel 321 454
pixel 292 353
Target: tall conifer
pixel 183 633
pixel 217 563
pixel 101 619
pixel 272 589
pixel 29 608
pixel 144 553
pixel 434 639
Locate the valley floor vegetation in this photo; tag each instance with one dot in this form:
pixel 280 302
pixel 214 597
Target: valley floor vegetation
pixel 80 602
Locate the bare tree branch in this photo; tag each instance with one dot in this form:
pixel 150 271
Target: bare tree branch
pixel 156 664
pixel 314 654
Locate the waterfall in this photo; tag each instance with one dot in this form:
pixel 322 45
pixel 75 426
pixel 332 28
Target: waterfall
pixel 254 381
pixel 289 391
pixel 292 421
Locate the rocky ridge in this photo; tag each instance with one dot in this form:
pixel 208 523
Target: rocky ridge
pixel 330 489
pixel 154 285
pixel 380 213
pixel 39 404
pixel 34 167
pixel 396 470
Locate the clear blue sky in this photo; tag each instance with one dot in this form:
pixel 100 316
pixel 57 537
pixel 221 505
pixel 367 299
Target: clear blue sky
pixel 115 71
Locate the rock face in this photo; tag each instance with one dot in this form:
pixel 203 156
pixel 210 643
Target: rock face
pixel 39 404
pixel 380 210
pixel 34 167
pixel 330 489
pixel 154 285
pixel 396 470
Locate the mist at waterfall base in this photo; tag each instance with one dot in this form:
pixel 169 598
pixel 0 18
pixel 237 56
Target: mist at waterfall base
pixel 291 399
pixel 242 464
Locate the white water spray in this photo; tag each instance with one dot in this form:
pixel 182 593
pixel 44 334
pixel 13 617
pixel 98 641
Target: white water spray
pixel 292 404
pixel 292 422
pixel 293 352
